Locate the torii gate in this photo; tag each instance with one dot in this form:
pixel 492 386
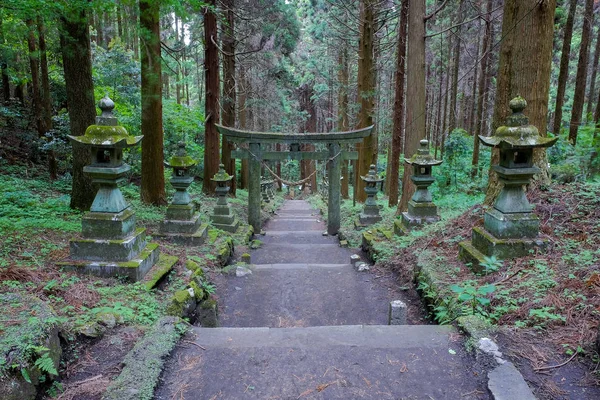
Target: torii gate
pixel 255 155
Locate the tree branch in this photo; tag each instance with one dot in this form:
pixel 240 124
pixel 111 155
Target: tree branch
pixel 428 17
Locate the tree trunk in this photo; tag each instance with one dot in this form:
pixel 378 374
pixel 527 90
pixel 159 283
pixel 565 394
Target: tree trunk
pixel 46 99
pixel 4 68
pixel 243 123
pixel 343 121
pixel 398 118
pixel 445 114
pixel 483 78
pixel 563 75
pixel 581 79
pixel 99 28
pixel 153 175
pixel 34 64
pixel 415 108
pixel 455 72
pixel 592 90
pixel 211 73
pixel 366 90
pixel 77 64
pixel 474 99
pixel 518 70
pixel 229 92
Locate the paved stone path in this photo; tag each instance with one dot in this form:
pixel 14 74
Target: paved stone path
pixel 305 325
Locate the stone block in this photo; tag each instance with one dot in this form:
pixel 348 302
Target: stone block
pixel 180 212
pixel 511 226
pixel 98 225
pixel 410 221
pixel 399 229
pixel 397 313
pixel 207 314
pixel 423 210
pixel 222 219
pixel 180 226
pixel 232 228
pixel 470 255
pixel 134 270
pixel 369 219
pixel 108 250
pixel 354 258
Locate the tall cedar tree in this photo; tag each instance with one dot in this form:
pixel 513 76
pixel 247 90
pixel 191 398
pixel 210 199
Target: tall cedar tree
pixel 153 176
pixel 581 78
pixel 366 90
pixel 415 108
pixel 456 67
pixel 343 121
pixel 77 64
pixel 398 129
pixel 4 66
pixel 229 90
pixel 563 75
pixel 245 88
pixel 594 69
pixel 483 79
pixel 211 73
pixel 527 28
pixel 34 64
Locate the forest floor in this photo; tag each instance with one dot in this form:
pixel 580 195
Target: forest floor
pixel 546 306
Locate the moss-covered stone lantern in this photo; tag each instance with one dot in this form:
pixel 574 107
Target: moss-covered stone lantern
pixel 182 222
pixel 111 244
pixel 222 216
pixel 370 212
pixel 510 229
pixel 421 209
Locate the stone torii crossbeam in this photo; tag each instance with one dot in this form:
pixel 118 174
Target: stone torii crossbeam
pixel 255 155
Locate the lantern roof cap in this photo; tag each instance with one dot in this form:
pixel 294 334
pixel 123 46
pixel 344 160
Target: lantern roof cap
pixel 222 175
pixel 372 175
pixel 517 133
pixel 181 159
pixel 106 132
pixel 422 156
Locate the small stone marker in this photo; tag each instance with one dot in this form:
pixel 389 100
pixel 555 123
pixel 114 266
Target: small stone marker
pixel 370 212
pixel 354 258
pixel 361 266
pixel 242 271
pixel 397 315
pixel 222 216
pixel 343 243
pixel 246 258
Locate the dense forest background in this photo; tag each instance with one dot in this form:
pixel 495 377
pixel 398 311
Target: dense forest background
pixel 175 68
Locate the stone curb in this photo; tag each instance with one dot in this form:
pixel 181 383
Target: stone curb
pixel 144 363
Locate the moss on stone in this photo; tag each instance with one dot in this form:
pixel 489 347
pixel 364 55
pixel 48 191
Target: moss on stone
pixel 178 303
pixel 213 235
pixel 191 265
pixel 475 326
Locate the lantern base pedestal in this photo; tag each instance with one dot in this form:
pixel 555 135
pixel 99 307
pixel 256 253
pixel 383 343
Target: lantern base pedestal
pixel 108 250
pixel 195 238
pixel 484 244
pixel 134 270
pixel 176 226
pixel 511 225
pixel 229 227
pixel 99 225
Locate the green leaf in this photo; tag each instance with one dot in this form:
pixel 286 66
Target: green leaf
pixel 457 289
pixel 465 297
pixel 25 375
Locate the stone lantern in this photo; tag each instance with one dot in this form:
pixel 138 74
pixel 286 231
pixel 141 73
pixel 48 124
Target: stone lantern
pixel 222 217
pixel 510 229
pixel 111 244
pixel 370 213
pixel 182 222
pixel 421 209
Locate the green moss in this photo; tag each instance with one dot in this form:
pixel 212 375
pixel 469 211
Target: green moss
pixel 213 235
pixel 255 244
pixel 181 296
pixel 192 266
pixel 475 326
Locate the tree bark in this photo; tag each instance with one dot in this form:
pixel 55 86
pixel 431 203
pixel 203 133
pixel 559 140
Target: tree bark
pixel 521 74
pixel 34 64
pixel 592 90
pixel 366 90
pixel 343 121
pixel 243 123
pixel 483 78
pixel 563 75
pixel 581 78
pixel 153 176
pixel 398 129
pixel 77 64
pixel 229 91
pixel 4 68
pixel 45 80
pixel 455 72
pixel 415 108
pixel 211 73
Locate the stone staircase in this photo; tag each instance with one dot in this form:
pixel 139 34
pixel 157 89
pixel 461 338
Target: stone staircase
pixel 306 325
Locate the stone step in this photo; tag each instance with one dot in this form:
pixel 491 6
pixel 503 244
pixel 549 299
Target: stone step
pixel 340 362
pixel 298 253
pixel 304 237
pixel 276 295
pixel 276 224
